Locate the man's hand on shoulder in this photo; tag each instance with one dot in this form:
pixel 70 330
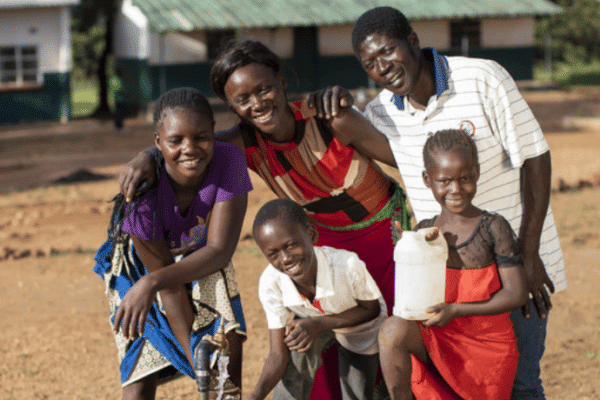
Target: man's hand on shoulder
pixel 328 102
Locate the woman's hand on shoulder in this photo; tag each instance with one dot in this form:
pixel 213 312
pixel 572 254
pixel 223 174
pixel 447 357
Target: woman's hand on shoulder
pixel 135 173
pixel 328 102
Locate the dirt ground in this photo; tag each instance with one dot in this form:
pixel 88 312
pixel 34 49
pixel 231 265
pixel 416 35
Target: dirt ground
pixel 55 340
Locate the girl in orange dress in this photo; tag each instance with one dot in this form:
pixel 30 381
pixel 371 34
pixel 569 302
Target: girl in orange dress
pixel 468 349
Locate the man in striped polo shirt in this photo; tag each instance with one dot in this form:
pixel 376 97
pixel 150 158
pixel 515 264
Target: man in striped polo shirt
pixel 424 92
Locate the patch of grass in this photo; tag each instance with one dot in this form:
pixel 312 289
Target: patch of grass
pixel 84 97
pixel 592 355
pixel 30 372
pixel 79 250
pixel 565 75
pixel 56 253
pixel 23 355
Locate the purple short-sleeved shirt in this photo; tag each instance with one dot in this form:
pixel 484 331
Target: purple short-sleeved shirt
pixel 155 215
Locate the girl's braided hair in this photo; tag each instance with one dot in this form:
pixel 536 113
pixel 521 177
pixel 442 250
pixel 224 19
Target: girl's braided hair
pixel 449 139
pixel 185 97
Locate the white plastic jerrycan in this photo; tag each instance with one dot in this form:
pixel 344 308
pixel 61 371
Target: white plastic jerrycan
pixel 420 274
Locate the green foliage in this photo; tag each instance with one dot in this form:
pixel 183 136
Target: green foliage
pixel 84 97
pixel 575 32
pixel 88 47
pixel 565 74
pixel 92 43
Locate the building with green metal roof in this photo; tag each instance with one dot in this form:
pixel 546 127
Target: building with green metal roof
pixel 169 43
pixel 35 60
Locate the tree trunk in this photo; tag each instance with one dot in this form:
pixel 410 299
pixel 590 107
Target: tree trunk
pixel 103 109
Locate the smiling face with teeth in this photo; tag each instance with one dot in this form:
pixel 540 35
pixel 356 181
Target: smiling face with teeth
pixel 288 246
pixel 185 137
pixel 452 178
pixel 256 94
pixel 394 64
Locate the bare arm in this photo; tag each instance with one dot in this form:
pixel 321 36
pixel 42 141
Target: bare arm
pixel 156 255
pixel 224 231
pixel 301 333
pixel 142 168
pixel 513 294
pixel 349 126
pixel 535 189
pixel 223 234
pixel 274 367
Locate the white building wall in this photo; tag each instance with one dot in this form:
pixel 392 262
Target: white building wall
pixel 279 40
pixel 65 50
pixel 43 28
pixel 514 32
pixel 335 40
pixel 434 34
pixel 177 48
pixel 131 33
pixel 509 32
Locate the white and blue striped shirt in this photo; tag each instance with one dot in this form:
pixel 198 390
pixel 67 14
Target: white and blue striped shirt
pixel 478 96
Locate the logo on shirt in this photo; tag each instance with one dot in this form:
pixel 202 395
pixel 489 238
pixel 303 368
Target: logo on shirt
pixel 468 127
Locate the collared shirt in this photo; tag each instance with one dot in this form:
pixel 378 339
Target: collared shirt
pixel 342 279
pixel 480 97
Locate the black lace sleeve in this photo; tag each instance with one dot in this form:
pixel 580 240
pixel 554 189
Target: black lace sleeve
pixel 506 246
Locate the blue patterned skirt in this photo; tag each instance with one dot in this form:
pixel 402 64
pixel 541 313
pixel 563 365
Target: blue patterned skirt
pixel 213 298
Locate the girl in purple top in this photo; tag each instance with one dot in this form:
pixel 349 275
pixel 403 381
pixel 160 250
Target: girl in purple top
pixel 168 267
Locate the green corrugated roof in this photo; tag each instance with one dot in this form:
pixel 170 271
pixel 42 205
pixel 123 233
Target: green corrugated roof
pixel 187 15
pixel 36 3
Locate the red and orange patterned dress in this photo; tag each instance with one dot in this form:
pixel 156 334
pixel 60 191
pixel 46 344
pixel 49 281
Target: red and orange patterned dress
pixel 474 357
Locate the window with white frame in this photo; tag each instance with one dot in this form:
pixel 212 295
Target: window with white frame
pixel 19 65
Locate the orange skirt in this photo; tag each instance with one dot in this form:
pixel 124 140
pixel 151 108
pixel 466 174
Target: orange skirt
pixel 474 357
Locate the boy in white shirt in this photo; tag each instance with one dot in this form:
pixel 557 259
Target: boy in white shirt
pixel 333 299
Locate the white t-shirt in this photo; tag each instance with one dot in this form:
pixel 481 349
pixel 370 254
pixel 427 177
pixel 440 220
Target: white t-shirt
pixel 480 97
pixel 342 278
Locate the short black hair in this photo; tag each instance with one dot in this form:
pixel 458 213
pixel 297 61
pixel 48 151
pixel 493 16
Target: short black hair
pixel 280 208
pixel 238 55
pixel 384 20
pixel 185 97
pixel 449 139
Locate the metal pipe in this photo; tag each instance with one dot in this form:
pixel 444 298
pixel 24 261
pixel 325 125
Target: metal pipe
pixel 202 367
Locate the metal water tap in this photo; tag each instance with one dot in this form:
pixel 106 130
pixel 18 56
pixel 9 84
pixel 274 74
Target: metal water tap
pixel 203 368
